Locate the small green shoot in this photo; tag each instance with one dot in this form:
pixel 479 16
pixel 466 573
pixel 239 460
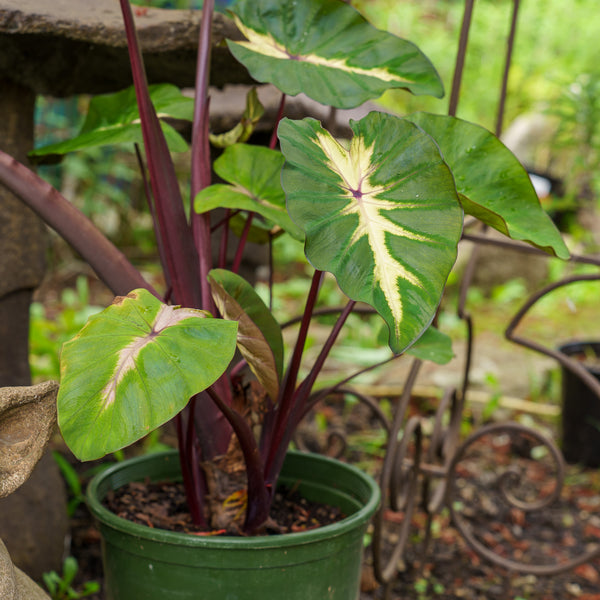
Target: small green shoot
pixel 60 586
pixel 428 588
pixel 494 402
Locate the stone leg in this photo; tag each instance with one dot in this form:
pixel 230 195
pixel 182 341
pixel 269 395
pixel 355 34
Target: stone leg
pixel 42 501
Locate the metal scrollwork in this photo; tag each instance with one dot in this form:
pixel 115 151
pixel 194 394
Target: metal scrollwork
pixel 523 478
pixel 399 480
pixel 517 479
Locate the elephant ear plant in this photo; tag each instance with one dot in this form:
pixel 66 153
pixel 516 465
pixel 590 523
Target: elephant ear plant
pixel 383 212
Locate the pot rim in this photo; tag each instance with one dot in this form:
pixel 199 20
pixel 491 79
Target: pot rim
pixel 353 521
pixel 577 346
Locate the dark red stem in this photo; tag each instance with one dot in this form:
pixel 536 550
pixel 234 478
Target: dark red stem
pixel 200 160
pixel 237 261
pixel 273 140
pixel 188 478
pixel 274 428
pixel 181 259
pixel 222 262
pixel 299 399
pixel 258 496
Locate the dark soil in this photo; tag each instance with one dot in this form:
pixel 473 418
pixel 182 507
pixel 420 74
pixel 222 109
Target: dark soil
pixel 163 505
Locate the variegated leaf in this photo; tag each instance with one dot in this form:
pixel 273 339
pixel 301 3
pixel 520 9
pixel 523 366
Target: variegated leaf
pixel 382 215
pixel 133 367
pixel 327 50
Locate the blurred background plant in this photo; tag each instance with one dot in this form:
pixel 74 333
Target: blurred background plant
pixel 51 326
pixel 577 112
pixel 60 586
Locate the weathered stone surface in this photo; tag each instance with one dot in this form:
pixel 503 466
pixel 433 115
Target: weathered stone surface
pixel 14 584
pixel 22 234
pixel 34 521
pixel 27 417
pixel 67 47
pixel 28 589
pixel 14 333
pixel 22 248
pixel 22 241
pixel 8 585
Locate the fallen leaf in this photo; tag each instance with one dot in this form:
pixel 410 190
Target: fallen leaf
pixel 588 573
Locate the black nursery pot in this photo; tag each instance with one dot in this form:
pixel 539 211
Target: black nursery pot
pixel 580 409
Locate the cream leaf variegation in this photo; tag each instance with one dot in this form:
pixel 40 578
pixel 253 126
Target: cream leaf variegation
pixel 133 367
pixel 127 357
pixel 267 45
pixel 353 167
pixel 327 50
pixel 381 214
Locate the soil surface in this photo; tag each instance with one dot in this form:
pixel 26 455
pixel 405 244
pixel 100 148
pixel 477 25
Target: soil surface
pixel 163 505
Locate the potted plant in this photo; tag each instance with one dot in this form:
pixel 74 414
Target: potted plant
pixel 580 416
pixel 383 212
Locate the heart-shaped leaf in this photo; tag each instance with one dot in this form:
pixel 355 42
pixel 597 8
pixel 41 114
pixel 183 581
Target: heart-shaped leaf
pixel 382 215
pixel 327 50
pixel 492 183
pixel 259 335
pixel 115 119
pixel 255 176
pixel 133 367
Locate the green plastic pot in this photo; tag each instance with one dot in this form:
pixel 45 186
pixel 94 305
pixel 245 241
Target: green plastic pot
pixel 141 563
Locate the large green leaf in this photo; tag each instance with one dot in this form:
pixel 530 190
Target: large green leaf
pixel 327 50
pixel 133 367
pixel 492 183
pixel 115 119
pixel 254 173
pixel 382 216
pixel 259 335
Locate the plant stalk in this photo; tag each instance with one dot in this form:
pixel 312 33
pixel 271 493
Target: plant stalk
pixel 181 258
pixel 301 396
pixel 200 160
pixel 193 498
pixel 258 499
pixel 274 428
